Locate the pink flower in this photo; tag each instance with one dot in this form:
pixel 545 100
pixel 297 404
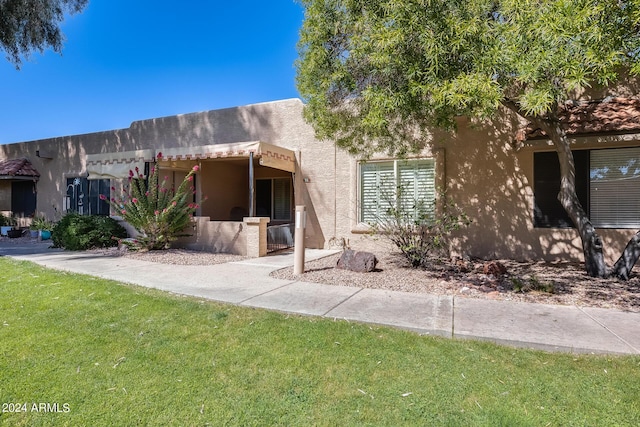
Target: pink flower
pixel 174 203
pixel 146 193
pixel 113 188
pixel 137 170
pixel 153 170
pixel 134 200
pixel 124 212
pixel 157 212
pixel 196 168
pixel 159 156
pixel 130 173
pixel 103 197
pixel 190 178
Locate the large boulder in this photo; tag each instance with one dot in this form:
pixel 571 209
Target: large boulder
pixel 362 262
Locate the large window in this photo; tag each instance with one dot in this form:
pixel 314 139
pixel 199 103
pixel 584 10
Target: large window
pixel 607 185
pixel 273 198
pixel 405 184
pixel 83 196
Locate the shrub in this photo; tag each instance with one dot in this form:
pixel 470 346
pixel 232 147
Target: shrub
pixel 157 212
pixel 532 284
pixel 76 232
pixel 419 230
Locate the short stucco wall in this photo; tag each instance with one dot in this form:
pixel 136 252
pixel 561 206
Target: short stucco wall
pixel 215 236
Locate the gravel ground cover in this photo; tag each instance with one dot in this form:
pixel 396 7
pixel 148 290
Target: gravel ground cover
pixel 560 283
pixel 538 282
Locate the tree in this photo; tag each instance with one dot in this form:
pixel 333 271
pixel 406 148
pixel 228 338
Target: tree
pixel 28 25
pixel 377 75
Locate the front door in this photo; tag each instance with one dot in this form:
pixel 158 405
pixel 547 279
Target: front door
pixel 274 199
pixel 23 198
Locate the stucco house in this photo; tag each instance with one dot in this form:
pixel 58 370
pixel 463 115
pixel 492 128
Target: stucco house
pixel 262 160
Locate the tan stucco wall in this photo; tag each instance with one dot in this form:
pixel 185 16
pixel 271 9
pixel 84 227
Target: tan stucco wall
pixel 482 171
pixel 278 123
pixel 227 186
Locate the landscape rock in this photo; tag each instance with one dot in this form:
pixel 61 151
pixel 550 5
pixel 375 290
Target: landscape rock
pixel 359 261
pixel 494 268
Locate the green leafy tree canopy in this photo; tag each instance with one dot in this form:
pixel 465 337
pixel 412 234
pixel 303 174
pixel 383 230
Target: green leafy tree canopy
pixel 377 75
pixel 375 72
pixel 28 25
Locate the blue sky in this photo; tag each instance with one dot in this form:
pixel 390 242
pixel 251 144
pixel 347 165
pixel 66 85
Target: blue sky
pixel 132 60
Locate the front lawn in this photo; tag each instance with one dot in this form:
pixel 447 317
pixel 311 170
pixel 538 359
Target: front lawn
pixel 92 352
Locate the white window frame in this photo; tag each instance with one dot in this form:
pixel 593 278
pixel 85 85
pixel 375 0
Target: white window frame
pixel 412 171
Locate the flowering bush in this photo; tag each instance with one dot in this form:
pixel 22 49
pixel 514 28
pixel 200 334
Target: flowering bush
pixel 160 214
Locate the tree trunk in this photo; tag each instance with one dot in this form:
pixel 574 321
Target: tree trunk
pixel 591 243
pixel 622 267
pixel 594 262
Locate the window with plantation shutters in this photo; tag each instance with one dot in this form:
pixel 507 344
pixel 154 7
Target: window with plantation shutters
pixel 406 184
pixel 417 187
pixel 615 188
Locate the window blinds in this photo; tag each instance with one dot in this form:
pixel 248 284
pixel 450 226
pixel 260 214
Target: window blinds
pixel 408 185
pixel 615 188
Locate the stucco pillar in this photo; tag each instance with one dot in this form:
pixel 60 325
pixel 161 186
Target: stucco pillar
pixel 256 236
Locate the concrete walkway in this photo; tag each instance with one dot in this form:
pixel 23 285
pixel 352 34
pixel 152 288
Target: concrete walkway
pixel 247 283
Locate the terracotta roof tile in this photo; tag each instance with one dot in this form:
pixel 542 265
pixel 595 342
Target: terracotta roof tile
pixel 604 116
pixel 18 167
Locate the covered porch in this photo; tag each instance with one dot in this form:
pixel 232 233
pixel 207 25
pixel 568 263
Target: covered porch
pixel 239 184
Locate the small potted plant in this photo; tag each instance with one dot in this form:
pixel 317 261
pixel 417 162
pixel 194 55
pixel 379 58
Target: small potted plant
pixel 36 225
pixel 5 225
pixel 45 229
pixel 13 232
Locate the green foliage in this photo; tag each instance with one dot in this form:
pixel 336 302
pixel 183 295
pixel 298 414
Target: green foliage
pixel 4 220
pixel 378 75
pixel 420 231
pixel 159 213
pixel 76 232
pixel 41 223
pixel 33 25
pixel 128 356
pixel 532 284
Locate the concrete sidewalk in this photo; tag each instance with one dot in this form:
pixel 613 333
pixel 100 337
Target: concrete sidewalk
pixel 247 283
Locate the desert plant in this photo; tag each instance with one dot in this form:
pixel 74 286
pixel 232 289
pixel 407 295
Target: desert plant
pixel 7 221
pixel 418 229
pixel 159 213
pixel 532 284
pixel 81 232
pixel 41 223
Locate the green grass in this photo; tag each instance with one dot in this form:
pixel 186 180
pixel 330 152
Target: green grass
pixel 118 355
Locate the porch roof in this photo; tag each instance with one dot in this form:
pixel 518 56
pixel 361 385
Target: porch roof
pixel 18 169
pixel 268 154
pixel 118 165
